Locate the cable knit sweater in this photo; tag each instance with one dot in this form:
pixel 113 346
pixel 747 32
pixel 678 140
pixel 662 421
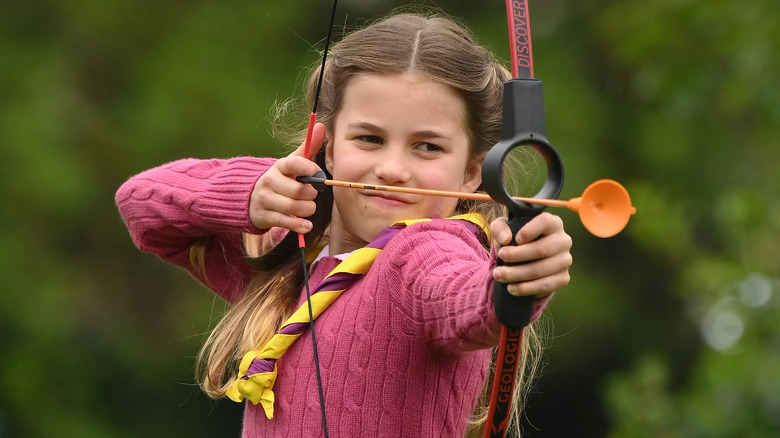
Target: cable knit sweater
pixel 403 352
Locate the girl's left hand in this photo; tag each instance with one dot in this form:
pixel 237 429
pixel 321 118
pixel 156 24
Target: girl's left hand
pixel 543 245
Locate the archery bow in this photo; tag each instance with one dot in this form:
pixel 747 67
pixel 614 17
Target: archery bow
pixel 523 124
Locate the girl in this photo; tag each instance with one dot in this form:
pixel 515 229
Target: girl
pixel 405 350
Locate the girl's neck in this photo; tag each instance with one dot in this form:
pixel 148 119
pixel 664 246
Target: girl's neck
pixel 340 242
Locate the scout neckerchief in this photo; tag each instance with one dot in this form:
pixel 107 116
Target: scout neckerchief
pixel 257 371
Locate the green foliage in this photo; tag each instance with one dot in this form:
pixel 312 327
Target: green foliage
pixel 701 97
pixel 667 330
pixel 733 389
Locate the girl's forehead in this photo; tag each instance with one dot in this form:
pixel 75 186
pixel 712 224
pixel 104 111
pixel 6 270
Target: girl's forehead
pixel 411 78
pixel 402 94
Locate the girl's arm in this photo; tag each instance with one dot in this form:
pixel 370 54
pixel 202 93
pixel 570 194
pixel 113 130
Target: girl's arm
pixel 187 204
pixel 170 208
pixel 443 281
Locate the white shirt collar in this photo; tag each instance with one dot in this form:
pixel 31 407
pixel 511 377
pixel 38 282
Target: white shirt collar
pixel 326 250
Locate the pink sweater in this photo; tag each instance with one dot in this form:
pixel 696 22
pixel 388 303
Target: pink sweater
pixel 403 352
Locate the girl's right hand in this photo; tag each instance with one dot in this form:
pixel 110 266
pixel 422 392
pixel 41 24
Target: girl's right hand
pixel 278 200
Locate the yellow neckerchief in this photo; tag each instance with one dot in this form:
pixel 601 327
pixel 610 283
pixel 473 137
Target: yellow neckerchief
pixel 257 371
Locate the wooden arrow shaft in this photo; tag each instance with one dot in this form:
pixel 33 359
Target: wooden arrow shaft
pixel 449 194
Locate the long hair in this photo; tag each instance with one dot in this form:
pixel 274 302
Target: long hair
pixel 432 46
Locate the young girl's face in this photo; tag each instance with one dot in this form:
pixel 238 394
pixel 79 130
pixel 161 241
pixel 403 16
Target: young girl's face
pixel 398 130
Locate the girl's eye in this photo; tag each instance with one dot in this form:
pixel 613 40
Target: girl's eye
pixel 429 147
pixel 373 139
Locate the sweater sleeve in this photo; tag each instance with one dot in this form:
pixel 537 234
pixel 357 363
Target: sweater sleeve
pixel 444 286
pixel 170 208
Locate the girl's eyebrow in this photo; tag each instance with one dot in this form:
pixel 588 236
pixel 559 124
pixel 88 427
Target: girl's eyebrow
pixel 425 133
pixel 364 125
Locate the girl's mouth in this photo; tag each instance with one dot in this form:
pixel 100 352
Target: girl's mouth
pixel 388 199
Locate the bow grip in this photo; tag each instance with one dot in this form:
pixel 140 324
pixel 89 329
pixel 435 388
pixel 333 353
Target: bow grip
pixel 513 311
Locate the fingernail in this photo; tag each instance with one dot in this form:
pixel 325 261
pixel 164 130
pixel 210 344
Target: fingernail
pixel 504 236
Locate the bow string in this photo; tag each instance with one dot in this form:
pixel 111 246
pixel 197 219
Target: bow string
pixel 301 239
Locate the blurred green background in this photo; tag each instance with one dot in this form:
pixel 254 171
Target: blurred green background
pixel 669 329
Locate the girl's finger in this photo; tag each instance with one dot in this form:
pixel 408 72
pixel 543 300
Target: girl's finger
pixel 288 206
pixel 294 166
pixel 500 231
pixel 268 219
pixel 533 271
pixel 287 185
pixel 292 223
pixel 543 224
pixel 545 247
pixel 542 286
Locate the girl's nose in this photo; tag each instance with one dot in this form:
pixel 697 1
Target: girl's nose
pixel 392 168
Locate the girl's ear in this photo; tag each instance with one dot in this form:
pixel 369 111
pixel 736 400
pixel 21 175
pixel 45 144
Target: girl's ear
pixel 329 152
pixel 473 176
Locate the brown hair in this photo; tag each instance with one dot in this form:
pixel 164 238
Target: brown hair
pixel 434 47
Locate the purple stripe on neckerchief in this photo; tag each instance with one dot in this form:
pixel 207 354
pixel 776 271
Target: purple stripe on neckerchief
pixel 474 228
pixel 337 281
pixel 295 328
pixel 259 366
pixel 471 226
pixel 385 236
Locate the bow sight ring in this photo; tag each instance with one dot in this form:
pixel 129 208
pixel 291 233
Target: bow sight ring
pixel 522 125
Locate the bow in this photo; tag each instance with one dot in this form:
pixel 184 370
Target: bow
pixel 523 125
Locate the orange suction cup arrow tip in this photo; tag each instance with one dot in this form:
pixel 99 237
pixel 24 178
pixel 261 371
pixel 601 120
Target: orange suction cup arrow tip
pixel 604 207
